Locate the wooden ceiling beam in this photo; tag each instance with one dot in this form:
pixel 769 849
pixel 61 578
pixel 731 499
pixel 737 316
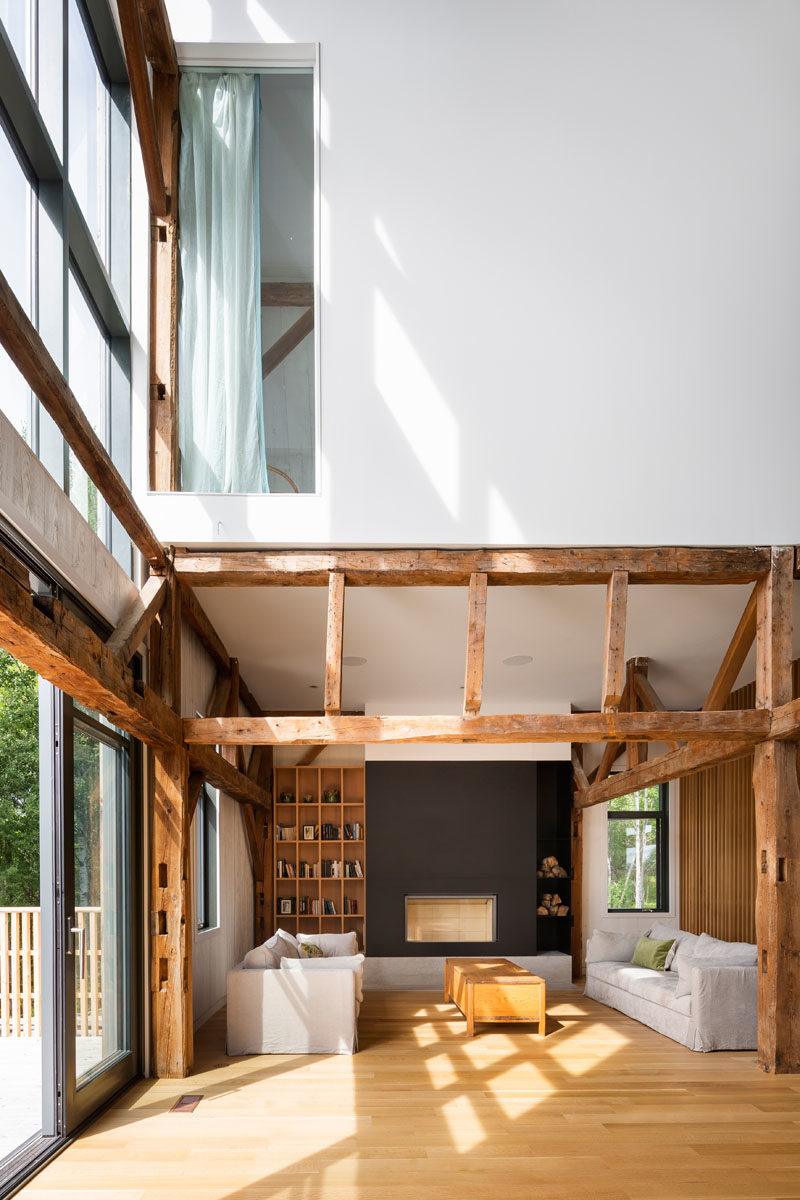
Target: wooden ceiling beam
pixel 310 756
pixel 648 696
pixel 614 642
pixel 334 641
pixel 578 773
pixel 748 726
pixel 142 98
pixel 28 352
pixel 287 295
pixel 157 36
pixel 224 775
pixel 737 652
pixel 476 634
pixel 195 616
pixel 133 627
pixel 673 765
pixel 286 343
pixel 453 568
pixel 64 651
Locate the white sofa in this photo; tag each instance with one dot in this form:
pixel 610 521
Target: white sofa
pixel 720 980
pixel 303 1006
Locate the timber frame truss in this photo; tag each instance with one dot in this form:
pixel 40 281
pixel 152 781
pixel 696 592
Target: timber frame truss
pixel 47 636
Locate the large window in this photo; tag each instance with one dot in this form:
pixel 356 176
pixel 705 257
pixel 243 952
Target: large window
pixel 638 865
pixel 65 227
pixel 207 860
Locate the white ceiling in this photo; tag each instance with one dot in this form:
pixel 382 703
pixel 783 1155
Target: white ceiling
pixel 414 643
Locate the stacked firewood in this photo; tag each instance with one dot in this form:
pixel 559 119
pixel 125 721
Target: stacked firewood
pixel 550 903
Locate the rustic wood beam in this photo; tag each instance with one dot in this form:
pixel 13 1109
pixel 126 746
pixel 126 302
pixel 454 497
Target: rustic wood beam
pixel 786 721
pixel 774 631
pixel 476 634
pixel 310 756
pixel 224 776
pixel 171 923
pixel 287 295
pixel 649 698
pixel 777 796
pixel 195 616
pixel 614 642
pixel 673 765
pixel 741 726
pixel 334 641
pixel 28 352
pixel 194 788
pixel 578 773
pixel 63 650
pixel 132 629
pixel 142 99
pixel 452 568
pixel 157 35
pixel 735 656
pixel 613 749
pixel 287 342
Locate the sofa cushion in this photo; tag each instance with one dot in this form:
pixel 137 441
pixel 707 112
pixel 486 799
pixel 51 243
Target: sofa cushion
pixel 657 986
pixel 351 962
pixel 733 954
pixel 332 945
pixel 262 958
pixel 651 952
pixel 621 975
pixel 284 949
pixel 281 933
pixel 661 930
pixel 685 944
pixel 607 946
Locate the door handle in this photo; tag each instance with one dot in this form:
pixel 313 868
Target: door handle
pixel 78 933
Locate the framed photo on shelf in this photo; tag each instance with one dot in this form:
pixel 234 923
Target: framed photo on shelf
pixel 308 833
pixel 286 908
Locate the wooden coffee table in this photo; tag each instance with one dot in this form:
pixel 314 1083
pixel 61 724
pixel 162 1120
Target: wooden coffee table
pixel 494 989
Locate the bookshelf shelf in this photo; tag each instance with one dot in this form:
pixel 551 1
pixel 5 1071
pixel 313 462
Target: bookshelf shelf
pixel 308 807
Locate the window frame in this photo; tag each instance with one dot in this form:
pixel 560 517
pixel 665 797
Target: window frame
pixel 660 817
pixel 261 58
pixel 62 240
pixel 206 861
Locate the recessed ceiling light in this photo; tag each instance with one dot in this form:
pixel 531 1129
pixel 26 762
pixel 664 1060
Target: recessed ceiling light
pixel 353 660
pixel 518 660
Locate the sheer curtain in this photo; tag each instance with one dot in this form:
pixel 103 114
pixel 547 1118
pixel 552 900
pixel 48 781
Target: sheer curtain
pixel 221 413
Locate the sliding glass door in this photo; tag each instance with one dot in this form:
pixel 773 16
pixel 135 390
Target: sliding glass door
pixel 99 873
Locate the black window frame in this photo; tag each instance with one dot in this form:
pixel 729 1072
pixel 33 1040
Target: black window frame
pixel 660 817
pixel 206 862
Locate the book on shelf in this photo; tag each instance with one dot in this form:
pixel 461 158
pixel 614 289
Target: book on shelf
pixel 352 870
pixel 285 870
pixel 285 833
pixel 350 907
pixel 330 908
pixel 330 833
pixel 354 832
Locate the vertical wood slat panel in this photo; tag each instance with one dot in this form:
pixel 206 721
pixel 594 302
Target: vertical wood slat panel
pixel 718 868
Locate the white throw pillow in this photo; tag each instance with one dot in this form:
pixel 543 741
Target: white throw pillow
pixel 262 958
pixel 281 933
pixel 662 930
pixel 736 954
pixel 685 946
pixel 332 945
pixel 605 946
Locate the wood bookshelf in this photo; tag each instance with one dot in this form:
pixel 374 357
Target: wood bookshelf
pixel 308 895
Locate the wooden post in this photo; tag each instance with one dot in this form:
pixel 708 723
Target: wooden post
pixel 476 633
pixel 333 644
pixel 614 645
pixel 777 797
pixel 171 931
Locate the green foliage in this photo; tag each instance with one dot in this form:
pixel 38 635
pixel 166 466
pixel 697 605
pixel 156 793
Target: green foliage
pixel 19 783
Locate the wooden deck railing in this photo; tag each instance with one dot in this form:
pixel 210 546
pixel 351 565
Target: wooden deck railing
pixel 20 973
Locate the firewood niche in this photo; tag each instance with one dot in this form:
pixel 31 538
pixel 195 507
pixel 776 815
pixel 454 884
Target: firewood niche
pixel 551 904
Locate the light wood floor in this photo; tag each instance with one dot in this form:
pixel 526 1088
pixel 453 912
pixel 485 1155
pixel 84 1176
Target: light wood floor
pixel 600 1109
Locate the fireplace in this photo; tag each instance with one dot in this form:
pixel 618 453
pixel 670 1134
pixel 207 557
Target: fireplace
pixel 451 918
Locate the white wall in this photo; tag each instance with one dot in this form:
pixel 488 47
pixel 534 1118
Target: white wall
pixel 595 872
pixel 559 247
pixel 215 951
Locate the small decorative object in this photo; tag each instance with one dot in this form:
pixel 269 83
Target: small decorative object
pixel 286 907
pixel 311 950
pixel 287 797
pixel 308 798
pixel 308 833
pixel 331 795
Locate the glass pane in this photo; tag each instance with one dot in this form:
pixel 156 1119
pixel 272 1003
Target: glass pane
pixel 633 863
pixel 88 130
pixel 16 232
pixel 17 19
pixel 450 918
pixel 20 927
pixel 287 258
pixel 88 377
pixel 645 800
pixel 101 903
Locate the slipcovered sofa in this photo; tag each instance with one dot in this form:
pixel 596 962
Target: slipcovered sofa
pixel 707 998
pixel 287 1003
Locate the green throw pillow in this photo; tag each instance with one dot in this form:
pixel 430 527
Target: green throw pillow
pixel 651 953
pixel 311 950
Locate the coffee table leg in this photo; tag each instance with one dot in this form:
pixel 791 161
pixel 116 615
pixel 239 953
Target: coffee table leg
pixel 542 1011
pixel 470 1013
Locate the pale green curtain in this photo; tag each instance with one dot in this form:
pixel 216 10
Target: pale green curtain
pixel 221 413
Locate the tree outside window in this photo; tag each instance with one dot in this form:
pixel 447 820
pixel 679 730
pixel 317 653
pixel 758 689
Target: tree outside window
pixel 637 851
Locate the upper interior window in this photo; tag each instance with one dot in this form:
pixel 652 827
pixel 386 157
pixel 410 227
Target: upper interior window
pixel 247 370
pixel 88 130
pixel 16 263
